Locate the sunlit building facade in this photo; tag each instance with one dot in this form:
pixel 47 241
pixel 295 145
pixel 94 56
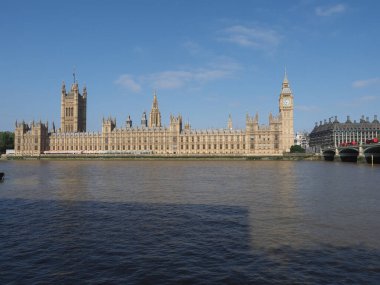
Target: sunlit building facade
pixel 151 137
pixel 332 133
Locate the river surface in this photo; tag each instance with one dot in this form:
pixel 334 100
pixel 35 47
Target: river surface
pixel 189 222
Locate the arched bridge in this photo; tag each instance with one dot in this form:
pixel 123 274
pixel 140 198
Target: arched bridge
pixel 371 152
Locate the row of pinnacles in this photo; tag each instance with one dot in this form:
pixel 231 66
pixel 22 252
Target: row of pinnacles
pixel 175 124
pixel 252 123
pixel 152 137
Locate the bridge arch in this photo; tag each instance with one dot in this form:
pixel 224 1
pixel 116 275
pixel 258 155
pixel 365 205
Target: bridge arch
pixel 372 153
pixel 349 154
pixel 329 154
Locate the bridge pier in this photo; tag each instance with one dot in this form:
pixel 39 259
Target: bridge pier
pixel 368 152
pixel 361 151
pixel 372 153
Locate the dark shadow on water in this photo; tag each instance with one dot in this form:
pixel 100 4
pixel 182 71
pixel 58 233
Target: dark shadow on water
pixel 66 242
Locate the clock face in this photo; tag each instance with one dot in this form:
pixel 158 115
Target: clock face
pixel 286 102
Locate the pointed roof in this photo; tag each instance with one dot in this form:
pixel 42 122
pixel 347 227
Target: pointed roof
pixel 285 78
pixel 229 124
pixel 155 102
pixel 285 85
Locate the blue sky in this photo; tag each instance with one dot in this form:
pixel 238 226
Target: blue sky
pixel 206 59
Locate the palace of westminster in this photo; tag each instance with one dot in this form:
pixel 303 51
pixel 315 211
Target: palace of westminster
pixel 151 138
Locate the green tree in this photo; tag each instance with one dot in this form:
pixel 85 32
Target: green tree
pixel 297 149
pixel 6 141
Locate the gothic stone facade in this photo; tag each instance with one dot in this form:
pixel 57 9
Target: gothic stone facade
pixel 151 138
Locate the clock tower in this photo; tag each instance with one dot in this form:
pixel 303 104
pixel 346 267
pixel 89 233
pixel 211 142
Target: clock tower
pixel 286 105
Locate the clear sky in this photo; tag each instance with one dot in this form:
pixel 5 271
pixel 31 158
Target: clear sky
pixel 207 59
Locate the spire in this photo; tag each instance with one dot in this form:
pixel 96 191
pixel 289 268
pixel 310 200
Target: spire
pixel 155 103
pixel 229 124
pixel 155 115
pixel 285 85
pixel 285 78
pixel 63 87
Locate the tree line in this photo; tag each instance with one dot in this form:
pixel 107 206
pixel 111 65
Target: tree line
pixel 297 149
pixel 6 141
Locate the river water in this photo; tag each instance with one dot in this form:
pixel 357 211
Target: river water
pixel 189 222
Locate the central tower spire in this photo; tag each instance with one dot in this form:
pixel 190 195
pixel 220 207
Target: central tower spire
pixel 155 115
pixel 155 103
pixel 285 77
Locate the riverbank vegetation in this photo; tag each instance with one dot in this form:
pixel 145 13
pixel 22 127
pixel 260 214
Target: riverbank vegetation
pixel 6 141
pixel 297 149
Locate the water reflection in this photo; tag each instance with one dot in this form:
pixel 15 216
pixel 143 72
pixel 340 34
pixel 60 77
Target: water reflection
pixel 340 203
pixel 298 204
pixel 57 241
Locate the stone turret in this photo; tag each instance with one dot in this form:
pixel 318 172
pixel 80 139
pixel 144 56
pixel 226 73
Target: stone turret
pixel 129 122
pixel 144 121
pixel 84 92
pixel 252 123
pixel 108 125
pixel 175 124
